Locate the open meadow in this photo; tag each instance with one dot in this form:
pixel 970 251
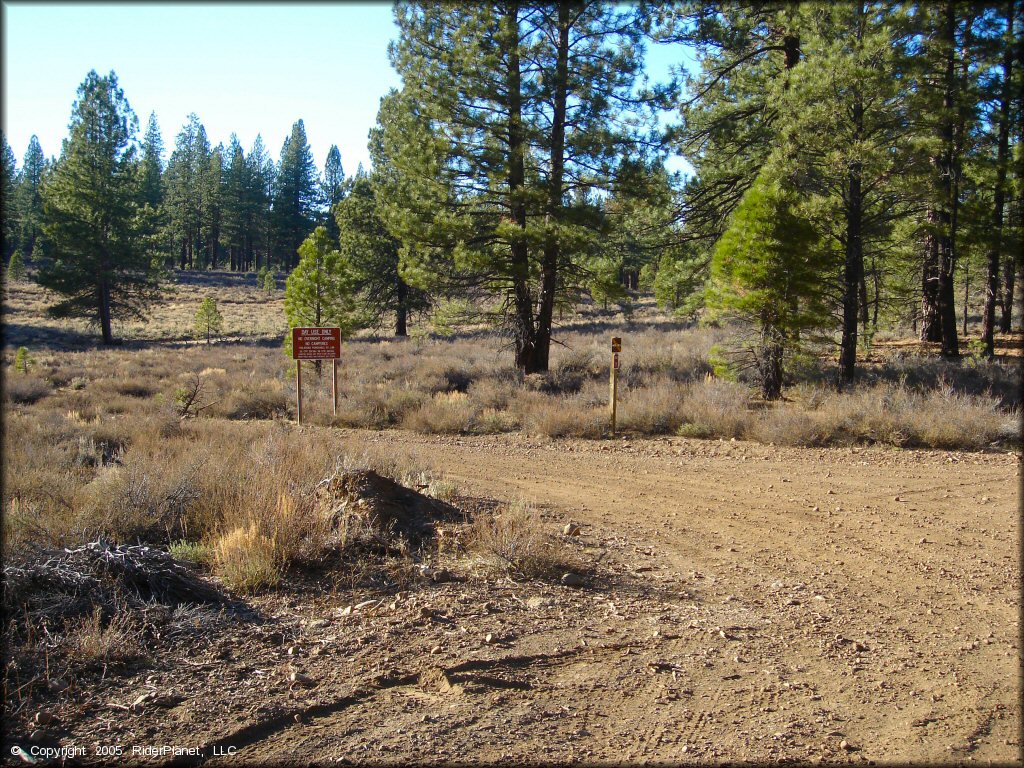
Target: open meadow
pixel 463 564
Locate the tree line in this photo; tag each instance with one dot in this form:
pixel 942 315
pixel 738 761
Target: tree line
pixel 213 207
pixel 856 165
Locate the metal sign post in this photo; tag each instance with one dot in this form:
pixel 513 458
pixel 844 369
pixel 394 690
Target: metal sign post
pixel 614 383
pixel 315 344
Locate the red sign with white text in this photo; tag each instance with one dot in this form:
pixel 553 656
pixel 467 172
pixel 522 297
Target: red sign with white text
pixel 316 343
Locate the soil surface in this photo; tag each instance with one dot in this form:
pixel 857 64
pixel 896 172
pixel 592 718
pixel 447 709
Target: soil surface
pixel 739 602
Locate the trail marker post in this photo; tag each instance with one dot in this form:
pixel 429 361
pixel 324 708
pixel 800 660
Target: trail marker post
pixel 614 382
pixel 315 344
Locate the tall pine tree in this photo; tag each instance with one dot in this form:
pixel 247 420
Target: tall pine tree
pixel 105 265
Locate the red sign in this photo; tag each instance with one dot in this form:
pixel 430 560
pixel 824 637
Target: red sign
pixel 615 360
pixel 316 343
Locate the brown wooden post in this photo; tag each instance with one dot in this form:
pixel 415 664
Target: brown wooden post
pixel 614 381
pixel 334 385
pixel 298 390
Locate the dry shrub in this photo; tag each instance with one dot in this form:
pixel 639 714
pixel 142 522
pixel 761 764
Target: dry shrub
pixel 789 425
pixel 265 400
pixel 445 413
pixel 560 417
pixel 513 541
pixel 246 560
pixel 492 421
pixel 91 644
pixel 714 408
pixel 26 389
pixel 656 410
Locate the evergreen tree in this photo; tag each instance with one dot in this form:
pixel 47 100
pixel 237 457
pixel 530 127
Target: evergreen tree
pixel 507 110
pixel 105 266
pixel 152 168
pixel 9 171
pixel 319 292
pixel 333 187
pixel 371 255
pixel 296 196
pixel 766 271
pixel 212 181
pixel 187 172
pixel 235 183
pixel 208 320
pixel 260 180
pixel 28 200
pixel 16 268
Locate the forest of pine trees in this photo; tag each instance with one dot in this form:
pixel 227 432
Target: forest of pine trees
pixel 522 161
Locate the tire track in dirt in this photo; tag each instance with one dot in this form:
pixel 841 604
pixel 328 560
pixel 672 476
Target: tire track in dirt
pixel 937 619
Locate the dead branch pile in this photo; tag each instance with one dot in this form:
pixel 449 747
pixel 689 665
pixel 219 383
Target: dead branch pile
pixel 55 585
pixel 383 506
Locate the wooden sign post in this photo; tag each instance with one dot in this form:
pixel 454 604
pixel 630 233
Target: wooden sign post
pixel 315 344
pixel 614 383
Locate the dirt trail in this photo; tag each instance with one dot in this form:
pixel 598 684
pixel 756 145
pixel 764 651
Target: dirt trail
pixel 867 593
pixel 740 602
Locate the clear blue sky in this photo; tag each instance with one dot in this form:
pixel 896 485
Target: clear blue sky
pixel 243 67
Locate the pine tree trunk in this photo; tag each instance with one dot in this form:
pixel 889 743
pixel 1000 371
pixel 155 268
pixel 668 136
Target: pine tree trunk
pixel 852 273
pixel 947 209
pixel 998 197
pixel 769 364
pixel 853 267
pixel 521 319
pixel 401 310
pixel 552 246
pixel 931 330
pixel 104 312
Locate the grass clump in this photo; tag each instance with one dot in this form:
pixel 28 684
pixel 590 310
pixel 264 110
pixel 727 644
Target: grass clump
pixel 513 541
pixel 91 643
pixel 246 560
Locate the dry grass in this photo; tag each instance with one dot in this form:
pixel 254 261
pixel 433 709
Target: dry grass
pixel 91 642
pixel 514 541
pixel 94 442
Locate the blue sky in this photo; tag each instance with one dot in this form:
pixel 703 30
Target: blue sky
pixel 243 67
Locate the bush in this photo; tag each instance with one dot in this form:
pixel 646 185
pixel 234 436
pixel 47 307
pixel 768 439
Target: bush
pixel 26 390
pixel 450 413
pixel 513 541
pixel 246 561
pixel 91 644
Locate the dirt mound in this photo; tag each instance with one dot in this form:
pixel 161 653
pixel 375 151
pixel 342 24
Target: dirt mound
pixel 60 584
pixel 383 506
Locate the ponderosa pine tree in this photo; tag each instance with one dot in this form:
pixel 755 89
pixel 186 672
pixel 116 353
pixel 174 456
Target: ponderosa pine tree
pixel 333 187
pixel 28 201
pixel 371 256
pixel 296 196
pixel 766 271
pixel 8 169
pixel 186 192
pixel 319 292
pixel 105 265
pixel 152 166
pixel 1000 118
pixel 509 114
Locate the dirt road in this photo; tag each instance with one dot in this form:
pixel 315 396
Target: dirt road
pixel 739 602
pixel 802 599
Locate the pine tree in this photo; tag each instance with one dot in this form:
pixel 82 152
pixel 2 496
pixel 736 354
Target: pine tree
pixel 766 271
pixel 333 187
pixel 8 169
pixel 371 254
pixel 16 268
pixel 507 110
pixel 152 168
pixel 208 320
pixel 186 192
pixel 105 264
pixel 319 292
pixel 296 196
pixel 28 200
pixel 260 180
